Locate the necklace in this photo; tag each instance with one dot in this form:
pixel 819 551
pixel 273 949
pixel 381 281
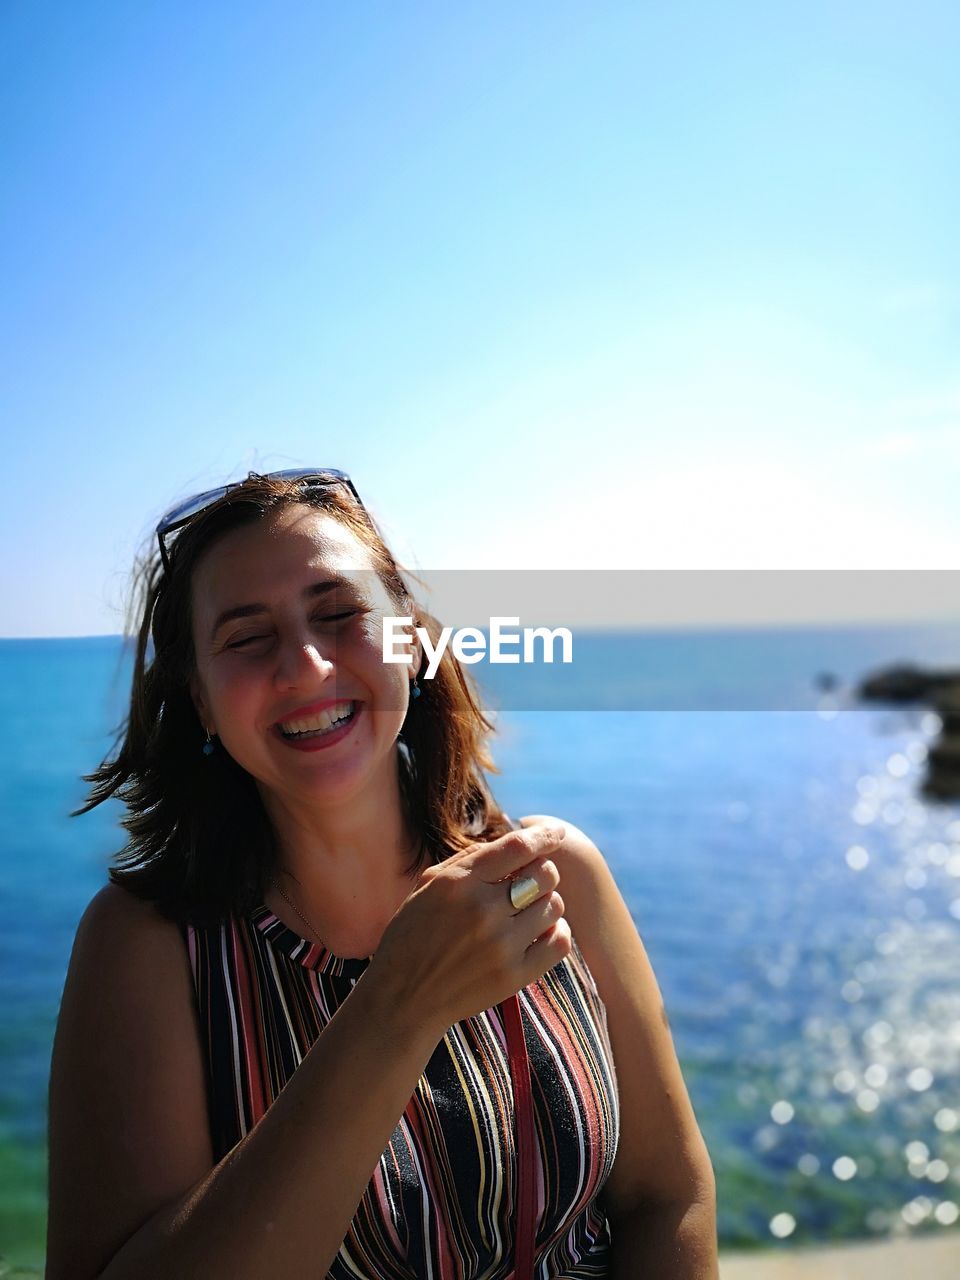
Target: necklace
pixel 315 932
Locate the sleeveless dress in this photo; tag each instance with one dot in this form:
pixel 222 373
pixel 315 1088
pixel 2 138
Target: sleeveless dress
pixel 440 1203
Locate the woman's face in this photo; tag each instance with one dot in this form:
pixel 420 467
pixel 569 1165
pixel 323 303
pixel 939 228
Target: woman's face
pixel 287 629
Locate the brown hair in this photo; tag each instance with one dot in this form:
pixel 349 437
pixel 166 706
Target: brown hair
pixel 201 846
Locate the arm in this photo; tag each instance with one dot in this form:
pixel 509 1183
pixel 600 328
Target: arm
pixel 661 1194
pixel 132 1190
pixel 671 1242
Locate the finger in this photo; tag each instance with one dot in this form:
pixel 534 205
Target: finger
pixel 507 855
pixel 550 948
pixel 537 918
pixel 542 872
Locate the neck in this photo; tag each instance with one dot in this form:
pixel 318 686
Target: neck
pixel 345 858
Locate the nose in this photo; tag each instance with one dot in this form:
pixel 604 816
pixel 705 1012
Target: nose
pixel 300 664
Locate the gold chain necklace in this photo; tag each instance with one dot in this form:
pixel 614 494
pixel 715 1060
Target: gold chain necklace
pixel 315 932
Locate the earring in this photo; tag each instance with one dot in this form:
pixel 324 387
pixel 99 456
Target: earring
pixel 415 690
pixel 208 746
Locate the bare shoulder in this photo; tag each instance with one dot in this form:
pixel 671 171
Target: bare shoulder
pixel 130 943
pixel 128 1125
pixel 583 874
pixel 591 899
pixel 575 840
pixel 117 907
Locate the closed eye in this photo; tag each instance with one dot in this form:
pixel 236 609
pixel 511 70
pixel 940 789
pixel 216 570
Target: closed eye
pixel 333 617
pixel 337 617
pixel 238 644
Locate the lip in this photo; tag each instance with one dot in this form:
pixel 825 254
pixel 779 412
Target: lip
pixel 331 739
pixel 312 709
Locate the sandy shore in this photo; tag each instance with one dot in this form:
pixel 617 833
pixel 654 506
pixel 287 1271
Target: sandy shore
pixel 930 1258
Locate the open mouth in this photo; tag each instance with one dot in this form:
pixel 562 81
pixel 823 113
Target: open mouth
pixel 320 724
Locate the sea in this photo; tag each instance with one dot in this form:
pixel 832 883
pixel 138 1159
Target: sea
pixel 796 890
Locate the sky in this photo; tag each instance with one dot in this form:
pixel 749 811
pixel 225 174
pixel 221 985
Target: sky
pixel 561 286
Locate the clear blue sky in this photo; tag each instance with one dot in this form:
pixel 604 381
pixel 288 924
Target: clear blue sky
pixel 560 285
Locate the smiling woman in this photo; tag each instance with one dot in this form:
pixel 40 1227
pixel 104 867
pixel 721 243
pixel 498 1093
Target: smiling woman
pixel 371 1044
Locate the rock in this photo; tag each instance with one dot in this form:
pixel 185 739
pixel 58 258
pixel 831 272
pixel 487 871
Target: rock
pixel 945 754
pixel 947 704
pixel 904 682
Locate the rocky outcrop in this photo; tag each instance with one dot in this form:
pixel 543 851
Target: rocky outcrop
pixel 906 683
pixel 940 690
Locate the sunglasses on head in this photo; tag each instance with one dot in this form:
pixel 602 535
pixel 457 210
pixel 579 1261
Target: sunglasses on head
pixel 310 477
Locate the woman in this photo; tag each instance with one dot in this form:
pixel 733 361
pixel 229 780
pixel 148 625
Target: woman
pixel 283 1043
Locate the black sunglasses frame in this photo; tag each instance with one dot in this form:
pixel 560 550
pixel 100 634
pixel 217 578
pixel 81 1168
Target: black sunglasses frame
pixel 184 512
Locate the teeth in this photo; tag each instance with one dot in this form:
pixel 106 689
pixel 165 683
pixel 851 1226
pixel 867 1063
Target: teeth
pixel 322 719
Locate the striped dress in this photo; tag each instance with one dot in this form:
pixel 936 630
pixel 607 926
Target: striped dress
pixel 440 1203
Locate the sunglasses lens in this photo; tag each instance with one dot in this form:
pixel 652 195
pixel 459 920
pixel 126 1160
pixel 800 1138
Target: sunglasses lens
pixel 184 510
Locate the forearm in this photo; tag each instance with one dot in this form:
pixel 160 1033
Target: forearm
pixel 666 1242
pixel 281 1202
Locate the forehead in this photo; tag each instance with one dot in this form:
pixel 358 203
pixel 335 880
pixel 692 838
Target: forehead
pixel 257 561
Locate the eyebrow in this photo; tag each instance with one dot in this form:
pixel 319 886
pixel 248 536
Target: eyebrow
pixel 250 610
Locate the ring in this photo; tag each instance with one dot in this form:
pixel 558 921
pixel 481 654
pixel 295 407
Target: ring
pixel 523 891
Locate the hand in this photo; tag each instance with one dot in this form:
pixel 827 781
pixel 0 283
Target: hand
pixel 457 945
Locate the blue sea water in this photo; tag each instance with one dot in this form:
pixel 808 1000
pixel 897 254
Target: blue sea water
pixel 798 897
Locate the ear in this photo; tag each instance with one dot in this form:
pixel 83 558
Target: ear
pixel 199 702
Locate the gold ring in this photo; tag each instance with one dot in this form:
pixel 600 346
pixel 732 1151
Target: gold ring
pixel 524 891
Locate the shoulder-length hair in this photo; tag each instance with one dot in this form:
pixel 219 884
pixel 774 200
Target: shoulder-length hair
pixel 201 846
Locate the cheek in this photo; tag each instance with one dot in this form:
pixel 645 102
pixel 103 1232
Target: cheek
pixel 229 689
pixel 370 631
pixel 369 639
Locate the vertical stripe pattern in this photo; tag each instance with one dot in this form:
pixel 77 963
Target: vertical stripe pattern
pixel 440 1202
